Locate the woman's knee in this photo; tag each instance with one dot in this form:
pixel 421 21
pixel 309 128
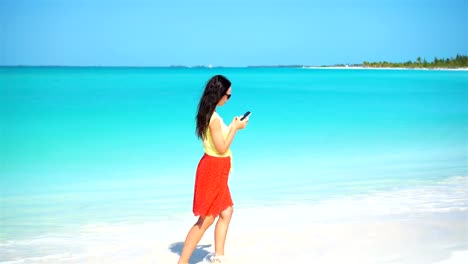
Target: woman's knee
pixel 227 213
pixel 205 222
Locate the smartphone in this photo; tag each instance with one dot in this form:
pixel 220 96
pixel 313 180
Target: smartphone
pixel 245 115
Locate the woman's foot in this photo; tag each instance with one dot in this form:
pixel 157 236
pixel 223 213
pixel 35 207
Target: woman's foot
pixel 218 260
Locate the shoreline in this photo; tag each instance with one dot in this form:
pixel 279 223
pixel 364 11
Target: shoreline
pixel 423 225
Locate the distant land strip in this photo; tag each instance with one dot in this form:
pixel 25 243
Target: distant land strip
pixel 457 62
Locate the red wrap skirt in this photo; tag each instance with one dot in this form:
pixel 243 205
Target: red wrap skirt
pixel 212 195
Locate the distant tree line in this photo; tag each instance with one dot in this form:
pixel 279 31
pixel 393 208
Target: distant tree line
pixel 460 61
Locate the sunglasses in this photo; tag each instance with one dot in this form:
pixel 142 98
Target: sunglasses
pixel 228 96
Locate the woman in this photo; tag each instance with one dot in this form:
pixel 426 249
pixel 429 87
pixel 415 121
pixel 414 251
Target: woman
pixel 212 197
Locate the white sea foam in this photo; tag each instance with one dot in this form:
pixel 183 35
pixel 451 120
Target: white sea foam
pixel 457 257
pixel 444 196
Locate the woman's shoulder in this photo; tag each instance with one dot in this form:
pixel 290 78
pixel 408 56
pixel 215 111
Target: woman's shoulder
pixel 215 116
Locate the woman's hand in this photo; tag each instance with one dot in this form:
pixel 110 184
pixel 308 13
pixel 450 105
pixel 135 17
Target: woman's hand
pixel 222 143
pixel 238 124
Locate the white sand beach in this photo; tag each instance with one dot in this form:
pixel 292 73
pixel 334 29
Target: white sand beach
pixel 423 225
pixel 283 234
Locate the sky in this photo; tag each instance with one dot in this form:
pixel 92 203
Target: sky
pixel 231 33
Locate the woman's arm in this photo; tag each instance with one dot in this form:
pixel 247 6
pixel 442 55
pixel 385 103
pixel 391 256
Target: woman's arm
pixel 221 144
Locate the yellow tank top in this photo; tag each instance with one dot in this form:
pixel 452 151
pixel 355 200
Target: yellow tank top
pixel 208 144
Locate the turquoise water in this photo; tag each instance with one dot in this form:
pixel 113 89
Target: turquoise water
pixel 96 145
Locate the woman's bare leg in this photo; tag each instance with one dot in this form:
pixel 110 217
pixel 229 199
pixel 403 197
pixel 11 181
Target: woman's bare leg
pixel 221 230
pixel 193 237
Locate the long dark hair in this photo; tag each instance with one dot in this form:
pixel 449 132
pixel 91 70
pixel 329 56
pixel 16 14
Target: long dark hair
pixel 215 89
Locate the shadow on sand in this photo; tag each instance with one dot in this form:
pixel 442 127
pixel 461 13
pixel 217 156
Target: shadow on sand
pixel 198 255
